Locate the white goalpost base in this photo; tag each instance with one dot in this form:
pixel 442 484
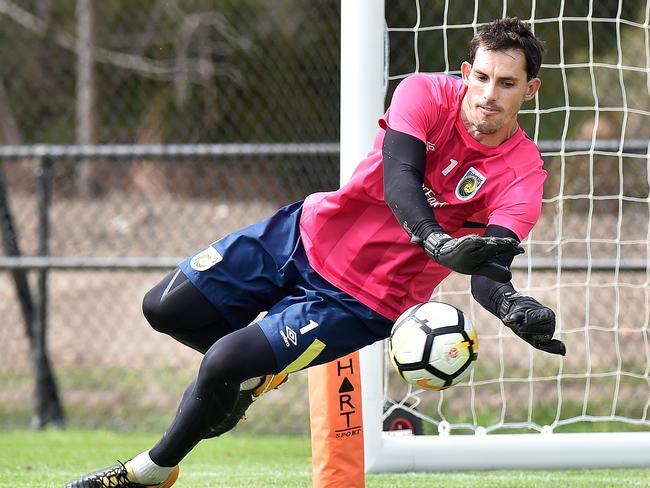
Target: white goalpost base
pixel 362 101
pixel 396 452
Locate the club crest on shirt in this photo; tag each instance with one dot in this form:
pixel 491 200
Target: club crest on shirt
pixel 469 184
pixel 205 259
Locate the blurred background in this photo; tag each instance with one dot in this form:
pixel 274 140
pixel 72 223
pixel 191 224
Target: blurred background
pixel 254 85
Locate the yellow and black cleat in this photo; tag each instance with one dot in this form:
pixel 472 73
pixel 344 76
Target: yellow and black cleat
pixel 118 476
pixel 269 382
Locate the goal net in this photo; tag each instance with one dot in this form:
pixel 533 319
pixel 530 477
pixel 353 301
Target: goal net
pixel 587 258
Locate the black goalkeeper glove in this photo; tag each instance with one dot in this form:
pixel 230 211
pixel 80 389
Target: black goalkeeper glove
pixel 471 254
pixel 531 321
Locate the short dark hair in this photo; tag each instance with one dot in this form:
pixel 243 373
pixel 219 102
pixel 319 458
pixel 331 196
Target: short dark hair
pixel 510 33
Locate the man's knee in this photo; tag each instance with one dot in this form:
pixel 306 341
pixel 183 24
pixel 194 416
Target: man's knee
pixel 155 312
pixel 219 365
pixel 236 357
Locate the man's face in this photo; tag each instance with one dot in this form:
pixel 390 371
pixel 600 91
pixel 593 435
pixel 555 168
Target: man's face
pixel 496 88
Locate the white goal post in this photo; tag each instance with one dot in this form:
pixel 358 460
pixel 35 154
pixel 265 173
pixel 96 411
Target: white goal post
pixel 539 446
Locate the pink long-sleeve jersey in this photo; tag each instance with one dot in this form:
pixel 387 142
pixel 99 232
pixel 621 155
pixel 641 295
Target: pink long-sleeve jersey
pixel 353 239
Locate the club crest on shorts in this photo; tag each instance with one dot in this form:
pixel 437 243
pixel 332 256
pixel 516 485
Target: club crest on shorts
pixel 469 184
pixel 205 259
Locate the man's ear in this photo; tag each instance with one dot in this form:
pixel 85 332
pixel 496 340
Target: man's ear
pixel 465 69
pixel 532 88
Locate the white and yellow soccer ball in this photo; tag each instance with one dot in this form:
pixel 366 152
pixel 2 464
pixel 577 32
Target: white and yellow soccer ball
pixel 433 345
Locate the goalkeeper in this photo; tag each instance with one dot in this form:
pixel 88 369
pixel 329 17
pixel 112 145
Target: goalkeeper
pixel 452 183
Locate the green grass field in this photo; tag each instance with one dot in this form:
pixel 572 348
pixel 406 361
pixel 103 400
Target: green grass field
pixel 49 459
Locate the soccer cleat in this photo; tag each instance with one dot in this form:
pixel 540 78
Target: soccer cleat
pixel 118 476
pixel 247 395
pixel 269 382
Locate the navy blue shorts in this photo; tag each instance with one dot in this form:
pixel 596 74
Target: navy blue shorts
pixel 264 268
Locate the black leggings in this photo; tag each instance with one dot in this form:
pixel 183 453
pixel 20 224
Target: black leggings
pixel 174 306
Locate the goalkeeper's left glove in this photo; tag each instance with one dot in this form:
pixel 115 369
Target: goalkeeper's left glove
pixel 531 321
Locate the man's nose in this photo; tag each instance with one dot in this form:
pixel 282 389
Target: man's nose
pixel 489 92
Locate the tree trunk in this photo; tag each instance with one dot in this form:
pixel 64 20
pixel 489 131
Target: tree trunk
pixel 85 128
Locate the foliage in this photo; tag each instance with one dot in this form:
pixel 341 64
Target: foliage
pixel 174 71
pixel 248 70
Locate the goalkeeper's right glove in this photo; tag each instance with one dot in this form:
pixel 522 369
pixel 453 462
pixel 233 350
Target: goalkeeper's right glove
pixel 471 254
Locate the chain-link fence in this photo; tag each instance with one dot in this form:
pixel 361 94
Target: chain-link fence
pixel 156 206
pixel 146 72
pixel 111 367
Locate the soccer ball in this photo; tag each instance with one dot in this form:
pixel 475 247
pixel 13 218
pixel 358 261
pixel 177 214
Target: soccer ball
pixel 433 345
